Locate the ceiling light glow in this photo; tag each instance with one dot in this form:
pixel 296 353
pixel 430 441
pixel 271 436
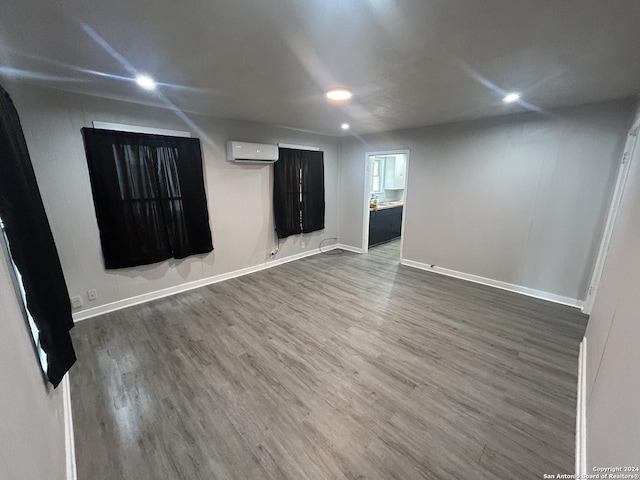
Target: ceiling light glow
pixel 146 82
pixel 340 94
pixel 512 97
pixel 345 126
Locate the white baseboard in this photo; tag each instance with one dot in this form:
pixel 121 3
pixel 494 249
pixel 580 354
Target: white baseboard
pixel 147 297
pixel 69 439
pixel 349 248
pixel 530 292
pixel 581 413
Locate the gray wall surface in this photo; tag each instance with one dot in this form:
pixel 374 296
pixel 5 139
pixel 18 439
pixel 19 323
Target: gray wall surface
pixel 239 196
pixel 613 341
pixel 520 199
pixel 32 441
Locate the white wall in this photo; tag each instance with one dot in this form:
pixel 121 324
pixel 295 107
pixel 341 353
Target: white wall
pixel 519 199
pixel 32 441
pixel 239 196
pixel 613 341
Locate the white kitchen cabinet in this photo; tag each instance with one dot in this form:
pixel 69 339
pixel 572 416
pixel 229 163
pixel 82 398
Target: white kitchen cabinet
pixel 395 172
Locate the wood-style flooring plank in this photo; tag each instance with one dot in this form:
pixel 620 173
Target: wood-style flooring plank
pixel 338 366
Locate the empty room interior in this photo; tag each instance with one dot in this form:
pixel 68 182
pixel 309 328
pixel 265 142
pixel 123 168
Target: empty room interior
pixel 309 240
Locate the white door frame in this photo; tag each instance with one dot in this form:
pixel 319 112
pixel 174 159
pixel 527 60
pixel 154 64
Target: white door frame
pixel 367 195
pixel 616 198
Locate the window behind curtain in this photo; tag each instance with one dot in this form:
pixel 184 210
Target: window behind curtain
pixel 22 295
pixel 149 196
pixel 298 192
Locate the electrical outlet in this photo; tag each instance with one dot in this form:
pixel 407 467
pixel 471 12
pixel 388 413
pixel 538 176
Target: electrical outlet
pixel 92 294
pixel 76 302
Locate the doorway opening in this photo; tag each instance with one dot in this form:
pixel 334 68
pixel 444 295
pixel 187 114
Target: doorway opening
pixel 385 195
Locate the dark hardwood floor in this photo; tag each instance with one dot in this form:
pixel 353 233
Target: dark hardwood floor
pixel 338 366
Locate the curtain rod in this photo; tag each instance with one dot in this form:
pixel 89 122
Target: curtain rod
pixel 122 127
pixel 299 147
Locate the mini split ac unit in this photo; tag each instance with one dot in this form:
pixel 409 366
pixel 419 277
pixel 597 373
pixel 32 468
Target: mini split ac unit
pixel 244 152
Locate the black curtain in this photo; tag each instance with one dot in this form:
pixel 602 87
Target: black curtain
pixel 312 191
pixel 298 192
pixel 286 192
pixel 32 246
pixel 149 196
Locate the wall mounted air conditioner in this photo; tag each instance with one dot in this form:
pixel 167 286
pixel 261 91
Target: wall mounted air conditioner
pixel 244 152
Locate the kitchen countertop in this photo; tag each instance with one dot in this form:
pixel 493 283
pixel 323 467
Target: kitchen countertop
pixel 385 205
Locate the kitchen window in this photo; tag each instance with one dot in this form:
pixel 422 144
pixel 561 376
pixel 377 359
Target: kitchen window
pixel 377 175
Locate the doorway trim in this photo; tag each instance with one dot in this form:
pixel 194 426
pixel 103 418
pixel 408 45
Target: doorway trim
pixel 366 196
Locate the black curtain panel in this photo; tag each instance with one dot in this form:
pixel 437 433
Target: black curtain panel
pixel 298 192
pixel 286 192
pixel 312 191
pixel 32 246
pixel 149 196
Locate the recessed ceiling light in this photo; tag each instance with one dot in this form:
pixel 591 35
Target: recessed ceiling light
pixel 146 82
pixel 345 126
pixel 512 97
pixel 340 94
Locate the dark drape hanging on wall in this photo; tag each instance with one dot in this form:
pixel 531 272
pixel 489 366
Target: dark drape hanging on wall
pixel 286 192
pixel 32 246
pixel 149 196
pixel 312 191
pixel 298 192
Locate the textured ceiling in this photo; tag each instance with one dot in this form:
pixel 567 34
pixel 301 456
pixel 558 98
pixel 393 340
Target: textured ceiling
pixel 409 63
